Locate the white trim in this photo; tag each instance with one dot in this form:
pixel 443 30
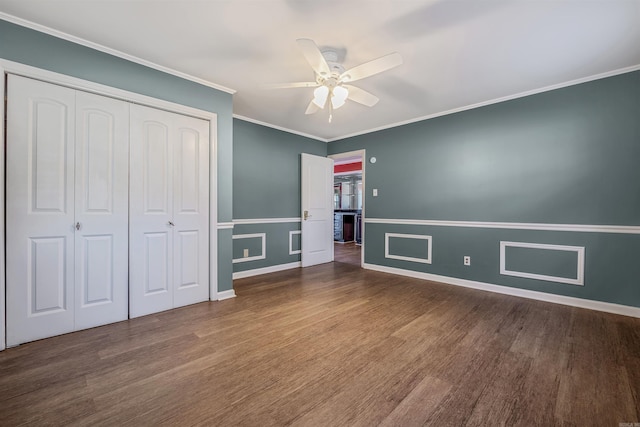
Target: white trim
pixel 266 270
pixel 347 173
pixel 213 206
pixel 357 157
pixel 387 254
pixel 291 233
pixel 225 226
pixel 607 307
pixel 2 214
pixel 10 67
pixel 266 220
pixel 580 228
pixel 493 101
pixel 226 295
pixel 276 127
pixel 352 156
pixel 261 236
pixel 579 250
pixel 131 58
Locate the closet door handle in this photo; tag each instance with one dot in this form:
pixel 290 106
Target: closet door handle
pixel 170 224
pixel 78 226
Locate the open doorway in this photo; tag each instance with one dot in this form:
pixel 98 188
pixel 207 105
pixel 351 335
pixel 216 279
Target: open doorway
pixel 349 209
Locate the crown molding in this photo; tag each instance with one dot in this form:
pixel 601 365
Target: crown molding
pixel 269 125
pixel 110 51
pixel 494 101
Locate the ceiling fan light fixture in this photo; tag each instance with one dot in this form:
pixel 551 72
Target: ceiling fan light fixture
pixel 320 95
pixel 339 96
pixel 333 83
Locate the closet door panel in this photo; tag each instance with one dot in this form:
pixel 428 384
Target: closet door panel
pixel 151 203
pixel 157 262
pixel 191 210
pixel 156 165
pixel 40 210
pixel 102 211
pixel 187 278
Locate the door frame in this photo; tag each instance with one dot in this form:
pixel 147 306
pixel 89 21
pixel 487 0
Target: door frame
pixel 363 157
pixel 11 67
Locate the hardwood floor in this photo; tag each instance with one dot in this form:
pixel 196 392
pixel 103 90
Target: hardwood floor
pixel 335 345
pixel 349 253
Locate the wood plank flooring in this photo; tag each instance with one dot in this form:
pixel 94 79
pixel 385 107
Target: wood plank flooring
pixel 335 345
pixel 349 253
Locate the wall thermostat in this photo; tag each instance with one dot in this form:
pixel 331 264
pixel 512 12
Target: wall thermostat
pixel 373 160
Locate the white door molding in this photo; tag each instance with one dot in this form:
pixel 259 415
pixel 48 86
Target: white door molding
pixel 363 157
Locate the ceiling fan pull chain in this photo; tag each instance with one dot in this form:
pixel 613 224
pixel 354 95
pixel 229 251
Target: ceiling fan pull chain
pixel 330 110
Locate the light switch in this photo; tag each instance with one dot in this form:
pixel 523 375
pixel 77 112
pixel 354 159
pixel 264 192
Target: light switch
pixel 375 192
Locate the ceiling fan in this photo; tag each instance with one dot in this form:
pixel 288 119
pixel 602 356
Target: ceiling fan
pixel 332 88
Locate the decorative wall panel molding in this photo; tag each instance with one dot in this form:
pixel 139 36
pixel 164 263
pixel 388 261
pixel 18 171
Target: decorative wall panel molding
pixel 388 254
pixel 291 234
pixel 579 251
pixel 263 254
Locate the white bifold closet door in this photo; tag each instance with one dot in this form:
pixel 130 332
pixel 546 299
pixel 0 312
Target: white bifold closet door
pixel 169 211
pixel 67 210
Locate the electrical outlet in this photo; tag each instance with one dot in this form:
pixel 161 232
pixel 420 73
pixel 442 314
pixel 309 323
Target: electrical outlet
pixel 245 253
pixel 467 260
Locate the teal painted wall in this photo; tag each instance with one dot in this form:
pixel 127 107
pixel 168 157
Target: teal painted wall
pixel 20 44
pixel 266 170
pixel 568 156
pixel 266 184
pixel 549 262
pixel 277 245
pixel 225 257
pixel 564 156
pixel 611 268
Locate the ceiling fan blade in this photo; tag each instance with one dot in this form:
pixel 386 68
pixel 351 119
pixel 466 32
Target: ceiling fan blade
pixel 290 85
pixel 361 96
pixel 312 108
pixel 370 68
pixel 314 56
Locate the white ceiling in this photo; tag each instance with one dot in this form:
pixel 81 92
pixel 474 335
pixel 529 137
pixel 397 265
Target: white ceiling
pixel 457 53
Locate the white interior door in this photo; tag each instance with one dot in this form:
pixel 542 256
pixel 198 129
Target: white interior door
pixel 101 210
pixel 150 209
pixel 190 210
pixel 169 211
pixel 40 210
pixel 317 210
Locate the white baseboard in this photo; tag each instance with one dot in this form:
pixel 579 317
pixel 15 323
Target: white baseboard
pixel 226 294
pixel 607 307
pixel 265 270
